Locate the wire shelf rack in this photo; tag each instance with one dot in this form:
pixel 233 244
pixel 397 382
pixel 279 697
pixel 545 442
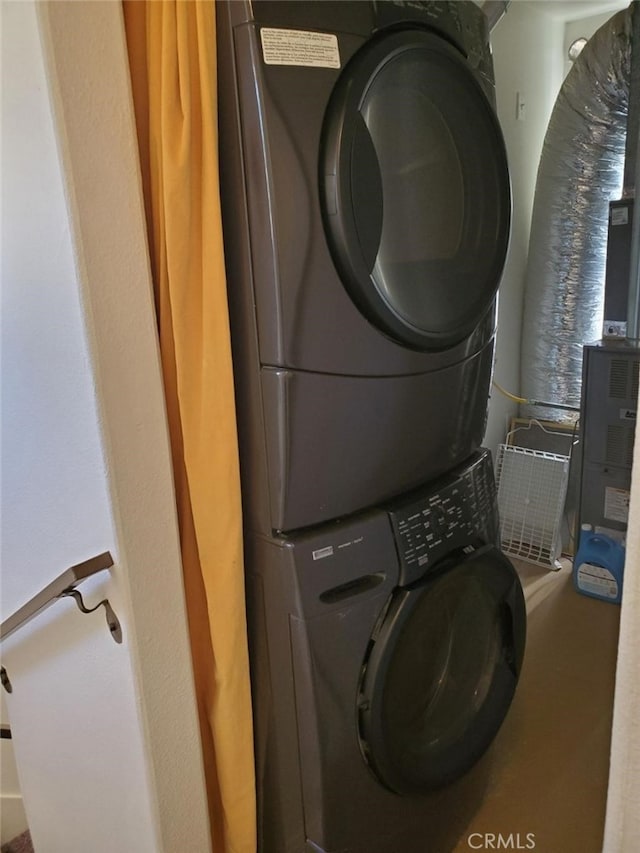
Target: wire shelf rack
pixel 532 487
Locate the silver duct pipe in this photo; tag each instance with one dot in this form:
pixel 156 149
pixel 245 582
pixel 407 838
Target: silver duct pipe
pixel 632 177
pixel 631 161
pixel 580 171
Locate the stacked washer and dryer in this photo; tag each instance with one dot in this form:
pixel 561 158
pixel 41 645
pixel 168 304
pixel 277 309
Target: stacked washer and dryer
pixel 366 213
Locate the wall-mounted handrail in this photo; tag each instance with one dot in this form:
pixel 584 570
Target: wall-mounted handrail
pixel 64 585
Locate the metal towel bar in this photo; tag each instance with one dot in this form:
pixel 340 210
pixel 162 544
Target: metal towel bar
pixel 63 586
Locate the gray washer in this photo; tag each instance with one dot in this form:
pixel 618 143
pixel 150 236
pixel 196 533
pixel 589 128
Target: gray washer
pixel 385 653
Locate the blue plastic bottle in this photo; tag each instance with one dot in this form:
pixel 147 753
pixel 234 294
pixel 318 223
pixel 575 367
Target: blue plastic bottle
pixel 598 566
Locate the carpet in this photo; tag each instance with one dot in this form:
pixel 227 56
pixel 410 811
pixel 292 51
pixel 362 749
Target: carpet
pixel 20 844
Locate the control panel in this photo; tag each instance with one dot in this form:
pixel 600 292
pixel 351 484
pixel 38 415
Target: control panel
pixel 451 514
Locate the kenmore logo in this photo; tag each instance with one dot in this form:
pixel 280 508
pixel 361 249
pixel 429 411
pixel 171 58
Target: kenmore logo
pixel 628 414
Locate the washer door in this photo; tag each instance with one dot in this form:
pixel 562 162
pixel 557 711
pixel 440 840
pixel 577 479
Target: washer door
pixel 415 189
pixel 441 672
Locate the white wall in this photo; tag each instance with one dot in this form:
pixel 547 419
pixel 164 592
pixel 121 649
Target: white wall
pixel 622 825
pixel 527 55
pixel 105 735
pixel 584 27
pixel 13 820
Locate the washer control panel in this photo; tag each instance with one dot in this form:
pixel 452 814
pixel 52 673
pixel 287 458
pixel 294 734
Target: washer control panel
pixel 452 513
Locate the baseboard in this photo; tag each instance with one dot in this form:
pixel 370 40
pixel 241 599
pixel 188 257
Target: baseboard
pixel 13 820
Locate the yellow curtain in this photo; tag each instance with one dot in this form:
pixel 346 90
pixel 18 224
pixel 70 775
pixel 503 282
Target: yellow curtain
pixel 172 53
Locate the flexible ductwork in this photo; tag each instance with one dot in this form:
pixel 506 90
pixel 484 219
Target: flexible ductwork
pixel 580 171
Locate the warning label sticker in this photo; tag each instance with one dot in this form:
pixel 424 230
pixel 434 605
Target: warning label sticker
pixel 597 581
pixel 620 216
pixel 616 504
pixel 297 47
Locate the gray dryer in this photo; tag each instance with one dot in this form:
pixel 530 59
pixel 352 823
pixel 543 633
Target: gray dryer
pixel 366 212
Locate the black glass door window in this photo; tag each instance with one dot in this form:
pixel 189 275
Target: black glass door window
pixel 415 189
pixel 442 673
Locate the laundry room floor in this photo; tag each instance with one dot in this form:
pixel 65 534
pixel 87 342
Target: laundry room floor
pixel 548 768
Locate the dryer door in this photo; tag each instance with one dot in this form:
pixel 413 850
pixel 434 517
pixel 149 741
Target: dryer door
pixel 415 189
pixel 442 672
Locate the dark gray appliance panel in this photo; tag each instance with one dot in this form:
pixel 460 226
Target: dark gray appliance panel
pixel 609 411
pixel 327 437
